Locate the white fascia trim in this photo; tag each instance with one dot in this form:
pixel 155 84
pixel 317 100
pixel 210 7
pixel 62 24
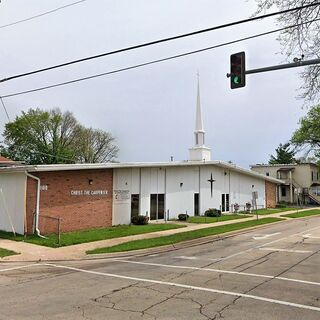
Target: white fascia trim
pixel 92 166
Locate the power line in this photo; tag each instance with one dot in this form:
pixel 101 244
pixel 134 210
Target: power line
pixel 154 61
pixel 41 14
pixel 159 41
pixel 5 109
pixel 51 155
pixel 54 156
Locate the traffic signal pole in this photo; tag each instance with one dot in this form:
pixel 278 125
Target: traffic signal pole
pixel 298 63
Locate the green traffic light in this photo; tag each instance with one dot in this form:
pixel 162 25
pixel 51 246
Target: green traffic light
pixel 236 80
pixel 237 70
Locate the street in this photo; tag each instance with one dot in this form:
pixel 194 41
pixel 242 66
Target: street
pixel 267 273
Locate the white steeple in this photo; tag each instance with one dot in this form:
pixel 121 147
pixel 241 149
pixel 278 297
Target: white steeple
pixel 199 152
pixel 199 131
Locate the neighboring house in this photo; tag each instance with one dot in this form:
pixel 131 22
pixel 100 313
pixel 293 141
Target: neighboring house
pixel 5 162
pixel 301 181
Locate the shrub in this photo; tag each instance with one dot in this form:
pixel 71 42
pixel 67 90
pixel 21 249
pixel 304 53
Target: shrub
pixel 183 216
pixel 212 212
pixel 281 205
pixel 140 220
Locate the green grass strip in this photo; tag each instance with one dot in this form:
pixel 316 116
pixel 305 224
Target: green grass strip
pixel 302 214
pixel 5 253
pixel 272 211
pixel 200 219
pixel 183 236
pixel 71 238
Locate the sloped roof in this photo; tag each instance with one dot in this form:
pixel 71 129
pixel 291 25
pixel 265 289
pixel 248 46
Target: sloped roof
pixel 6 161
pixel 110 165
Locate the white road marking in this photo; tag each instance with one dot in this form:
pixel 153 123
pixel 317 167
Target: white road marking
pixel 286 250
pixel 218 270
pixel 264 236
pixel 20 267
pixel 292 235
pixel 262 245
pixel 309 236
pixel 186 258
pixel 173 284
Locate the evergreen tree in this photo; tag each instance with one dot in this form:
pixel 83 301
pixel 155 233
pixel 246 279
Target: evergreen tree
pixel 283 155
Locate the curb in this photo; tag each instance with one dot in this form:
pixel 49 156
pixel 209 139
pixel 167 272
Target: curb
pixel 155 250
pixel 161 249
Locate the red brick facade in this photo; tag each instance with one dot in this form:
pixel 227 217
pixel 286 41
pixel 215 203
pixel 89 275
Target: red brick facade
pixel 271 194
pixel 82 199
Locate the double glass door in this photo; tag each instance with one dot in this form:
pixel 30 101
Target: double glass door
pixel 225 205
pixel 156 206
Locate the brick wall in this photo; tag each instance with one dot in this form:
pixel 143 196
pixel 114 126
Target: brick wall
pixel 70 196
pixel 271 198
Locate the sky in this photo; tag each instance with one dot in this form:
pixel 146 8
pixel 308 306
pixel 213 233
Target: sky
pixel 151 110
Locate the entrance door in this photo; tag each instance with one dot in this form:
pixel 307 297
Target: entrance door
pixel 196 204
pixel 225 203
pixel 156 206
pixel 134 205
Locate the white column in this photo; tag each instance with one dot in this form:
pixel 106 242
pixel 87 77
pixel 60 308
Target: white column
pixel 291 187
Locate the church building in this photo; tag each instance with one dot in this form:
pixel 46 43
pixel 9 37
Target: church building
pixel 71 197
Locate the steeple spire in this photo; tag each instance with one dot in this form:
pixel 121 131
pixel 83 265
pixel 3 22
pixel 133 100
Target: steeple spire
pixel 199 131
pixel 199 151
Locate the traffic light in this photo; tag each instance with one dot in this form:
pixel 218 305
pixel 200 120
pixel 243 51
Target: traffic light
pixel 237 70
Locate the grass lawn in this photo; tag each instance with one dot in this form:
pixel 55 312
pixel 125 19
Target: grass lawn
pixel 71 238
pixel 302 214
pixel 5 253
pixel 271 211
pixel 183 236
pixel 201 219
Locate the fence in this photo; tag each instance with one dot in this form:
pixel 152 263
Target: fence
pixel 243 208
pixel 50 225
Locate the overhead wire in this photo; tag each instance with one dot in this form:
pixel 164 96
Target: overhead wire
pixel 5 109
pixel 155 61
pixel 135 47
pixel 54 156
pixel 146 44
pixel 41 14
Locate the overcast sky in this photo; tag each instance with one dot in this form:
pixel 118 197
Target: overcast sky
pixel 151 110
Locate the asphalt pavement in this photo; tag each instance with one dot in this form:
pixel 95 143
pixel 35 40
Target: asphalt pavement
pixel 269 273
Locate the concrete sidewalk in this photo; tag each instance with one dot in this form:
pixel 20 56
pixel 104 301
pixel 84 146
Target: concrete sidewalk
pixel 32 252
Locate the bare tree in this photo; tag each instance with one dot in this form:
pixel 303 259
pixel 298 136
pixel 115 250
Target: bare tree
pixel 95 146
pixel 304 39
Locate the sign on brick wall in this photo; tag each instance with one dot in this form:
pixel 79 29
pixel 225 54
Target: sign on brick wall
pixel 89 192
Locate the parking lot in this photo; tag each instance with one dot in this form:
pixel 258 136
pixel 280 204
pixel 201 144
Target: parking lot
pixel 268 273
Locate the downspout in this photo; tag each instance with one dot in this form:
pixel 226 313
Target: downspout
pixel 37 205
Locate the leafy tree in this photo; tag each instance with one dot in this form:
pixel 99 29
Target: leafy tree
pixel 47 137
pixel 308 134
pixel 283 155
pixel 302 39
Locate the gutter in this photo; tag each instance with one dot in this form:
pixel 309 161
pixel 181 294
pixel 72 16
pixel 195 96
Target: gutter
pixel 37 205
